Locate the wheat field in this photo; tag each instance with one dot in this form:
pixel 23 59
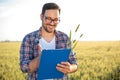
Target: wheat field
pixel 97 60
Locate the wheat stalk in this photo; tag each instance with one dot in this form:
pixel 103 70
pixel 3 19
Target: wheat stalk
pixel 74 41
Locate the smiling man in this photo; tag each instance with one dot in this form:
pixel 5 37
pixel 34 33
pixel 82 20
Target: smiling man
pixel 47 37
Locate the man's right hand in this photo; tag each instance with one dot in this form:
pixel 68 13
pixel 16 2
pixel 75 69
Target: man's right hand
pixel 33 66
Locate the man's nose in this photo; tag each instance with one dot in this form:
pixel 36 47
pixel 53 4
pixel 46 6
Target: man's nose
pixel 52 22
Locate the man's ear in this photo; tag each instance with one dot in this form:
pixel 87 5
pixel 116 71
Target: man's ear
pixel 41 16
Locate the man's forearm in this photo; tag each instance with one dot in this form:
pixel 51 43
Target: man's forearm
pixel 33 66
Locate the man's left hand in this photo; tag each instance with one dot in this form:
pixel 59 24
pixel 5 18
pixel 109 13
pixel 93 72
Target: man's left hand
pixel 66 67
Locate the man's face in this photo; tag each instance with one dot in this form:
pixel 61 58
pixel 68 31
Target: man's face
pixel 50 20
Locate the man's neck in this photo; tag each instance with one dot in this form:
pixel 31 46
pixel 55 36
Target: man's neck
pixel 47 36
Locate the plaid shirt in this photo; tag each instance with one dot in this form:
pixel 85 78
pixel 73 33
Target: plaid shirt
pixel 29 51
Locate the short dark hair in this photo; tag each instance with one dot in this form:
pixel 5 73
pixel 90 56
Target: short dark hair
pixel 48 6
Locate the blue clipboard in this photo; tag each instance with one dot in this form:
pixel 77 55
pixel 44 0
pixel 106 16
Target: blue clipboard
pixel 48 62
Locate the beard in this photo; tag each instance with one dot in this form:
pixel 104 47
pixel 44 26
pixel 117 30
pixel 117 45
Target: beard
pixel 48 29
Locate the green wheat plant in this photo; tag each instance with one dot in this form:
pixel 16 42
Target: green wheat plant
pixel 74 40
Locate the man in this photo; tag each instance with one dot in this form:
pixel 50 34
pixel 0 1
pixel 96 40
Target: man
pixel 45 38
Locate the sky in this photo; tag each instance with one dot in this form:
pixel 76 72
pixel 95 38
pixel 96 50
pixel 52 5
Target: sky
pixel 99 19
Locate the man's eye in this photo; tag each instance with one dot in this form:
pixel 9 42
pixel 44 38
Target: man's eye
pixel 48 18
pixel 56 19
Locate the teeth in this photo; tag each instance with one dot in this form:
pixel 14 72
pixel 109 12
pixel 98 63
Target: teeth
pixel 50 27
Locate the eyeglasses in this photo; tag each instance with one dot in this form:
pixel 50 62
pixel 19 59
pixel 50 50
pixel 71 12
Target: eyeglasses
pixel 49 20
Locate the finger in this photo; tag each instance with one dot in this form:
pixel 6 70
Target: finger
pixel 61 65
pixel 39 49
pixel 64 67
pixel 65 63
pixel 61 70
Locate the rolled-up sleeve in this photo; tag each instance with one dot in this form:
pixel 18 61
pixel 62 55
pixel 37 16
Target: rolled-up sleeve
pixel 25 55
pixel 72 58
